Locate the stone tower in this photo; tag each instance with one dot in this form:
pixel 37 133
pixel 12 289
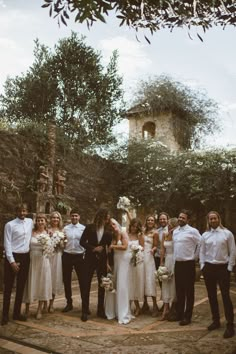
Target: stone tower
pixel 143 124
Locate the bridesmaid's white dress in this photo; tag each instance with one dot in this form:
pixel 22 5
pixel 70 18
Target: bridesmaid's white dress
pixel 149 267
pixel 136 277
pixel 168 287
pixel 56 271
pixel 39 282
pixel 117 305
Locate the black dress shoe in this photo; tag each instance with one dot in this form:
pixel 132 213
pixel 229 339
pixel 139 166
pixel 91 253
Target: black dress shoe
pixel 84 317
pixel 19 318
pixel 68 308
pixel 229 332
pixel 213 325
pixel 4 321
pixel 185 322
pixel 101 314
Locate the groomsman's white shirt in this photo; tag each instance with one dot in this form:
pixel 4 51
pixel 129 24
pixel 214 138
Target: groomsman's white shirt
pixel 218 247
pixel 73 234
pixel 186 241
pixel 17 235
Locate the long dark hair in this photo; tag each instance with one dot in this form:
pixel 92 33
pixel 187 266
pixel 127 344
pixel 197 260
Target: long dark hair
pixel 138 225
pixel 101 217
pixel 218 215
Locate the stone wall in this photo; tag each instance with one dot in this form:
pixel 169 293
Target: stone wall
pixel 91 182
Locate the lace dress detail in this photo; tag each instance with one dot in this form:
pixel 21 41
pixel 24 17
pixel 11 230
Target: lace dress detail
pixel 149 267
pixel 168 287
pixel 136 277
pixel 39 282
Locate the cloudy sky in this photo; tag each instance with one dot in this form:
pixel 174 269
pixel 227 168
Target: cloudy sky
pixel 209 65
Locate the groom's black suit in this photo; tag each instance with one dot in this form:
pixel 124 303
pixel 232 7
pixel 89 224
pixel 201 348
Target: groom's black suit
pixel 94 261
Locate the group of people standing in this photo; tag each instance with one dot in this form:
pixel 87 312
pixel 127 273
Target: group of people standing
pixel 104 246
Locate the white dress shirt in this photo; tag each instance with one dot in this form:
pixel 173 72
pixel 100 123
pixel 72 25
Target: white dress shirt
pixel 218 247
pixel 100 233
pixel 17 235
pixel 160 231
pixel 186 240
pixel 73 234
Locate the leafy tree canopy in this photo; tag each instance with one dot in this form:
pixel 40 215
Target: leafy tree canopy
pixel 69 87
pixel 150 14
pixel 156 179
pixel 194 114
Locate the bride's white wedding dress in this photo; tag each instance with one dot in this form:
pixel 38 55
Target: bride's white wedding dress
pixel 117 304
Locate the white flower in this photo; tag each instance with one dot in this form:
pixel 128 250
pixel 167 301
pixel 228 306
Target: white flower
pixel 123 203
pixel 162 274
pixel 224 166
pixel 199 163
pixel 108 283
pixel 46 244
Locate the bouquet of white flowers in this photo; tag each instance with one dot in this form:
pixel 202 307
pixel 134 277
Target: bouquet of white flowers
pixel 162 274
pixel 46 243
pixel 59 240
pixel 108 283
pixel 123 203
pixel 137 254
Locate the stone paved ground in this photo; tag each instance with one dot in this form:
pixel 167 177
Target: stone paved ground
pixel 66 333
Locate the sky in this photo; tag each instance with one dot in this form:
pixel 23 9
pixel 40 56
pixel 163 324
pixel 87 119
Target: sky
pixel 208 65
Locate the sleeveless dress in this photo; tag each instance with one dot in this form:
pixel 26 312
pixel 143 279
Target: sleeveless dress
pixel 118 304
pixel 136 277
pixel 56 271
pixel 39 282
pixel 149 267
pixel 168 287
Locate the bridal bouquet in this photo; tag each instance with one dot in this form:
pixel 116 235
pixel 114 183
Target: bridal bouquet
pixel 162 274
pixel 58 240
pixel 123 203
pixel 46 243
pixel 137 254
pixel 108 283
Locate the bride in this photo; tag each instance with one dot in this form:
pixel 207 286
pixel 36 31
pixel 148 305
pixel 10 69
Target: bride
pixel 118 304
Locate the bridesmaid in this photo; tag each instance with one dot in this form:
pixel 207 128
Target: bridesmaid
pixel 168 292
pixel 120 305
pixel 136 278
pixel 56 259
pixel 39 283
pixel 150 246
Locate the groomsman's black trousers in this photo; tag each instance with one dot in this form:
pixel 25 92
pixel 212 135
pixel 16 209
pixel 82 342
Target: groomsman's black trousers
pixel 218 274
pixel 9 276
pixel 184 282
pixel 100 266
pixel 70 261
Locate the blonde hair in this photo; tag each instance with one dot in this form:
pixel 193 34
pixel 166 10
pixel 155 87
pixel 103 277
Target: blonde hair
pixel 56 213
pixel 218 215
pixel 117 224
pixel 173 222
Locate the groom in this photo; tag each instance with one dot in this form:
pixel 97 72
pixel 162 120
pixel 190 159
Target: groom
pixel 95 239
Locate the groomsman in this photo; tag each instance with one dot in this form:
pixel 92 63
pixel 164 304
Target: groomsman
pixel 17 235
pixel 217 258
pixel 95 239
pixel 186 241
pixel 73 257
